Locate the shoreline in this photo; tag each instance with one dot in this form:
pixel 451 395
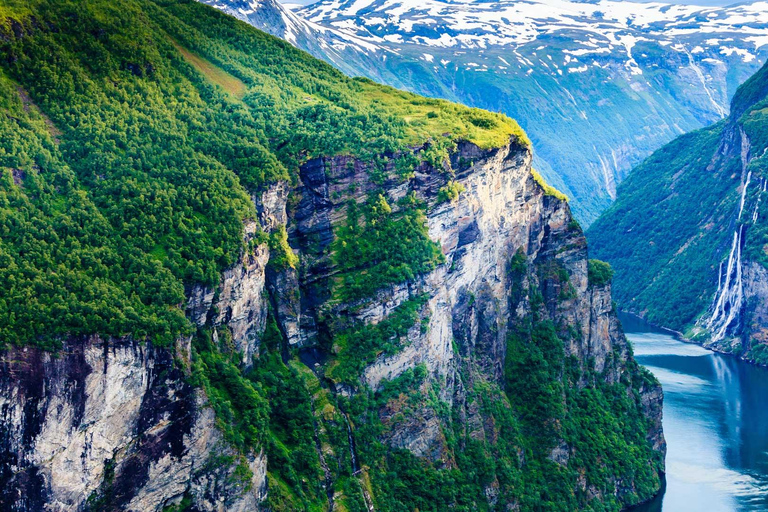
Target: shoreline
pixel 681 337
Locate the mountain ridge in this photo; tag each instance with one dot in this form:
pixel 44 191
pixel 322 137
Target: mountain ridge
pixel 673 68
pixel 236 279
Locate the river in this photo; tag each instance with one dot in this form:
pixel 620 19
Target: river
pixel 715 423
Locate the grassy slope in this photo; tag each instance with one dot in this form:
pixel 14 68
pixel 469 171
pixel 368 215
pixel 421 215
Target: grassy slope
pixel 673 220
pixel 159 116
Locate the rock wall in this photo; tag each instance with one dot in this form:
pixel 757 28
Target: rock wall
pixel 503 210
pixel 117 417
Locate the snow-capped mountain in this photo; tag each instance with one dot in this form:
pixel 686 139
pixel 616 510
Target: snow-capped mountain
pixel 596 26
pixel 340 48
pixel 597 85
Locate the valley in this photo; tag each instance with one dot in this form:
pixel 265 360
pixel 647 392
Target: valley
pixel 236 279
pixel 240 274
pixel 597 86
pixel 686 235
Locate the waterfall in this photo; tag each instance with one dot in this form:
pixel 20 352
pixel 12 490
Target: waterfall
pixel 728 301
pixel 355 467
pixel 763 184
pixel 351 441
pixel 719 278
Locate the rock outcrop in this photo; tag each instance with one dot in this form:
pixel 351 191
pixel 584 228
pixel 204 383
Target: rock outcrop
pixel 112 417
pixel 463 326
pixel 118 419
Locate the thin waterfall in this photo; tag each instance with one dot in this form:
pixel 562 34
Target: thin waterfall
pixel 719 278
pixel 356 471
pixel 728 301
pixel 759 197
pixel 351 441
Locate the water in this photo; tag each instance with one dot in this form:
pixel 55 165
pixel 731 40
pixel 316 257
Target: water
pixel 715 423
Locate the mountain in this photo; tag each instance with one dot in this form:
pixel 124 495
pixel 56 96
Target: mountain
pixel 597 85
pixel 236 279
pixel 346 52
pixel 687 235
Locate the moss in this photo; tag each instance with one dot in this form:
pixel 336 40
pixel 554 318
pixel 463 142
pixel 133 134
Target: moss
pixel 548 189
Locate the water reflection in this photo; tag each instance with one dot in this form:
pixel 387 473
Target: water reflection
pixel 715 422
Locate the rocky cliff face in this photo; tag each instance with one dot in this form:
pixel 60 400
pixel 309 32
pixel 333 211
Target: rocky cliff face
pixel 114 424
pixel 473 301
pixel 112 418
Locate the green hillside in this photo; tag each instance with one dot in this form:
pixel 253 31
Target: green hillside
pixel 674 218
pixel 133 133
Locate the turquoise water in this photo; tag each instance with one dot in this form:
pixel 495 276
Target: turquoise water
pixel 715 423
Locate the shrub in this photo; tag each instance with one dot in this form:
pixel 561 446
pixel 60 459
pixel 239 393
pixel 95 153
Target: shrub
pixel 599 273
pixel 450 192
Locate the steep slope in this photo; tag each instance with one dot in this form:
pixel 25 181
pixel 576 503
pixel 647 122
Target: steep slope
pixel 686 235
pixel 347 52
pixel 597 85
pixel 235 279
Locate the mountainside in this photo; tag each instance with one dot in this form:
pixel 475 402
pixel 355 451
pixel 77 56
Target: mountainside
pixel 597 85
pixel 235 279
pixel 706 275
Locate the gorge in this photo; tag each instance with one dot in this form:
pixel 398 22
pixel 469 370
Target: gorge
pixel 705 277
pixel 235 279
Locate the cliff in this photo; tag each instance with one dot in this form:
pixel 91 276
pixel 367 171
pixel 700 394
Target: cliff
pixel 112 424
pixel 705 276
pixel 535 65
pixel 302 297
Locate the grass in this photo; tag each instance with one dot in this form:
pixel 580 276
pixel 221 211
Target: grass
pixel 426 117
pixel 548 189
pixel 231 84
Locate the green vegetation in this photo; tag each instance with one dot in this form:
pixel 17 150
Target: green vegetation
pixel 131 137
pixel 377 247
pixel 242 410
pixel 601 422
pixel 543 404
pixel 232 85
pixel 665 267
pixel 450 192
pixel 426 117
pixel 293 464
pixel 358 346
pixel 673 221
pixel 547 399
pixel 599 273
pixel 548 189
pixel 281 255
